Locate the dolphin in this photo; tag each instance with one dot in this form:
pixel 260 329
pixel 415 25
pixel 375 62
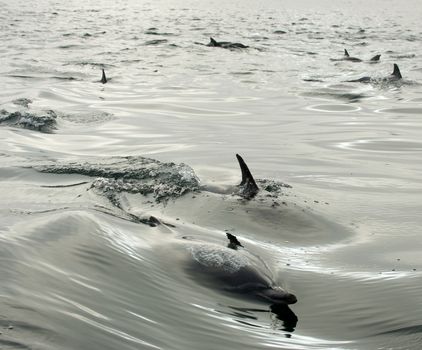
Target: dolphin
pixel 234 270
pixel 226 44
pixel 148 191
pixel 347 57
pixel 395 76
pixel 103 77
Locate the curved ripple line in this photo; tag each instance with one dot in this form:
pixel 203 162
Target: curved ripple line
pixel 110 330
pixel 81 307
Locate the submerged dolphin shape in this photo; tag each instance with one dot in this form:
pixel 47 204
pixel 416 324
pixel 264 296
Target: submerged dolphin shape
pixel 226 44
pixel 347 57
pixel 395 76
pixel 236 271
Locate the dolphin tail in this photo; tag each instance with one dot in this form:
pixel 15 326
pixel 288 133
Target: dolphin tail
pixel 103 77
pixel 346 53
pixel 376 58
pixel 396 72
pixel 248 184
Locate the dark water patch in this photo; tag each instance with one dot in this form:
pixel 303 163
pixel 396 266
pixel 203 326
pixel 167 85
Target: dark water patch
pixel 279 32
pixel 405 330
pixel 69 46
pixel 412 38
pixel 242 73
pixel 313 80
pixel 154 31
pixel 45 122
pixel 155 42
pixel 335 94
pixel 403 56
pixel 24 102
pixel 22 76
pixel 65 78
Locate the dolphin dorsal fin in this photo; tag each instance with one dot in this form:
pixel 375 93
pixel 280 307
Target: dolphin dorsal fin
pixel 375 58
pixel 213 42
pixel 396 72
pixel 233 241
pixel 248 182
pixel 346 53
pixel 103 77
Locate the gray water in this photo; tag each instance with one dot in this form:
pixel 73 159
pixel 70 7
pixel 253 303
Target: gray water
pixel 84 165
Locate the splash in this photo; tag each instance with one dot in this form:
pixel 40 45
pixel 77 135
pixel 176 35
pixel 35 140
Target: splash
pixel 132 174
pixel 45 122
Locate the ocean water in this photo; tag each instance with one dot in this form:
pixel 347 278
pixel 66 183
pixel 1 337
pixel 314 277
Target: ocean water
pixel 84 166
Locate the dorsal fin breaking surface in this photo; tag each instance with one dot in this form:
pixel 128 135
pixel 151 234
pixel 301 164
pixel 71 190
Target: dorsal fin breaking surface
pixel 213 42
pixel 103 77
pixel 233 241
pixel 375 58
pixel 250 188
pixel 396 72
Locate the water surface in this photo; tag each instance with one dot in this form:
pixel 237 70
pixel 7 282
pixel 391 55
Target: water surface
pixel 81 266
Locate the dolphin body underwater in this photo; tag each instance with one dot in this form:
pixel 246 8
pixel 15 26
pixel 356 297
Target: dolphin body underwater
pixel 349 58
pixel 395 76
pixel 235 270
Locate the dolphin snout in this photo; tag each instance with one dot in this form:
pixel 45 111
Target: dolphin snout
pixel 278 295
pixel 290 298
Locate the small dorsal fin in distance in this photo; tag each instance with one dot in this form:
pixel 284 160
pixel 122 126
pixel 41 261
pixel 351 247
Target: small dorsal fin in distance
pixel 233 241
pixel 396 72
pixel 103 77
pixel 250 188
pixel 375 58
pixel 213 42
pixel 346 53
